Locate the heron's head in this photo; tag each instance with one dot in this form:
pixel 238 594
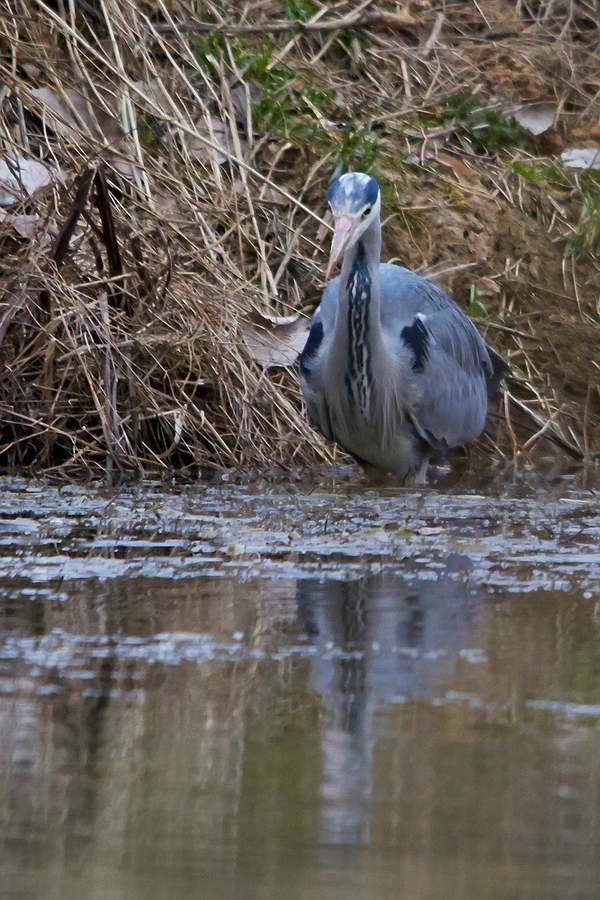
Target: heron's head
pixel 355 202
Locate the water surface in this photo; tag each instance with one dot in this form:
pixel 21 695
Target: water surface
pixel 254 691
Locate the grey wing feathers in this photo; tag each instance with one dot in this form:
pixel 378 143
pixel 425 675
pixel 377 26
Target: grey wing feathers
pixel 455 370
pixel 452 399
pixel 311 380
pixel 327 309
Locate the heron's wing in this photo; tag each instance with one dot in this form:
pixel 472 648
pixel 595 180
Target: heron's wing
pixel 311 359
pixel 450 387
pixel 450 363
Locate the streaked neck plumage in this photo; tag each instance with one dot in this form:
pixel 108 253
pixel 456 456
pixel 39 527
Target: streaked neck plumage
pixel 358 323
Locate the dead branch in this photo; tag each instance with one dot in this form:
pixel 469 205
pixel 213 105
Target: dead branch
pixel 361 18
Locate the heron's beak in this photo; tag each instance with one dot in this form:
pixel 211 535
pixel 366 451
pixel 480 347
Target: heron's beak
pixel 345 227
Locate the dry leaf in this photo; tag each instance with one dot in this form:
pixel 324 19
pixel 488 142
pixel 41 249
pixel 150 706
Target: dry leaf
pixel 250 91
pixel 487 287
pixel 32 71
pixel 272 195
pixel 57 113
pixel 165 203
pixel 537 117
pixel 124 168
pixel 25 226
pixel 463 173
pixel 581 158
pixel 150 95
pixel 72 115
pixel 213 130
pixel 275 340
pixel 21 177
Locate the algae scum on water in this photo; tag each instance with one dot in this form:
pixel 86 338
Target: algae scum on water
pixel 510 537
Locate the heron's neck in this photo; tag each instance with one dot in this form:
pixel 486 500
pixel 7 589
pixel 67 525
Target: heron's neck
pixel 358 324
pixel 359 278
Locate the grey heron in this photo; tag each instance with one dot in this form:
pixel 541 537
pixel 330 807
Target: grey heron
pixel 392 369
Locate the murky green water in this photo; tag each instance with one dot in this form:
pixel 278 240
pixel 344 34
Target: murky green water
pixel 259 692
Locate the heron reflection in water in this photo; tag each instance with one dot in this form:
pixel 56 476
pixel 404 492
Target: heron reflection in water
pixel 381 640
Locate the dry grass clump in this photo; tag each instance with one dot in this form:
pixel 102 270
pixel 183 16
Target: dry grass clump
pixel 185 148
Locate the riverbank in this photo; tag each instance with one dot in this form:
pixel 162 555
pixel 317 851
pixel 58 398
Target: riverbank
pixel 166 168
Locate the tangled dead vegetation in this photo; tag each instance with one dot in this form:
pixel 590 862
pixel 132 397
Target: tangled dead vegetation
pixel 162 174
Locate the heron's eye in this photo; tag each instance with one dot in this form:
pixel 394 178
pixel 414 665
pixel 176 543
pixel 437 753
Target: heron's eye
pixel 366 212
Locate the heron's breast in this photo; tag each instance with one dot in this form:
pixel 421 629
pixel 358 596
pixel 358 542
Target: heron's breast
pixel 366 417
pixel 386 443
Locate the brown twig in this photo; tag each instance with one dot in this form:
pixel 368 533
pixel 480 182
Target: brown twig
pixel 361 18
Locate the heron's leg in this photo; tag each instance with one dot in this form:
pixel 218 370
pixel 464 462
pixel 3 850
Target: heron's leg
pixel 437 473
pixel 418 477
pixel 373 474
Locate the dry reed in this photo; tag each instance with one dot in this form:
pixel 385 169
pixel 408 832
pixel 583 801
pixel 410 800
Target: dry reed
pixel 173 217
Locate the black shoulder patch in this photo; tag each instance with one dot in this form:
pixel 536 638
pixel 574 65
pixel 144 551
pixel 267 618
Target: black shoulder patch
pixel 416 337
pixel 313 342
pixel 500 371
